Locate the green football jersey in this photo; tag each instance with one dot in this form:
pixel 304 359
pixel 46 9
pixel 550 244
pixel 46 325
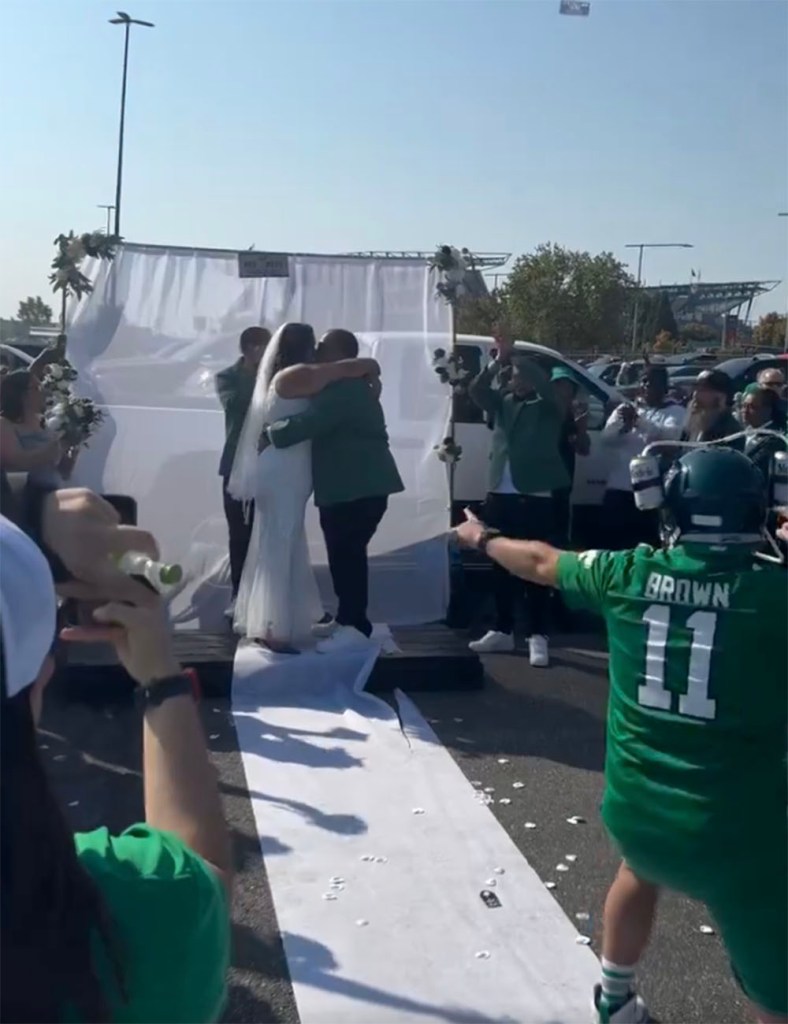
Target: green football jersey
pixel 696 725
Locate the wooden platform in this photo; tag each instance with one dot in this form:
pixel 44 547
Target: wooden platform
pixel 431 658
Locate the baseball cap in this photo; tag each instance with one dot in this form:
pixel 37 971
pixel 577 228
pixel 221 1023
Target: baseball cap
pixel 563 373
pixel 28 609
pixel 714 380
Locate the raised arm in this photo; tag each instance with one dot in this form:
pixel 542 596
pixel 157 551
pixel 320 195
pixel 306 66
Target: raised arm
pixel 307 379
pixel 482 392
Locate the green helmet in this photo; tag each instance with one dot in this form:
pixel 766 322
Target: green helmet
pixel 715 496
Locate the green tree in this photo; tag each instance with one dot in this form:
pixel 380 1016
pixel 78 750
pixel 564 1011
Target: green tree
pixel 699 334
pixel 567 299
pixel 480 315
pixel 34 312
pixel 657 317
pixel 770 330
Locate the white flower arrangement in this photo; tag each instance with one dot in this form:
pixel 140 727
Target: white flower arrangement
pixel 450 369
pixel 452 264
pixel 448 451
pixel 73 419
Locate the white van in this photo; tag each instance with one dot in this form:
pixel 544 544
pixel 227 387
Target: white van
pixel 474 435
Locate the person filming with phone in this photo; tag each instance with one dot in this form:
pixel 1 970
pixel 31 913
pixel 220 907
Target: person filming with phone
pixel 100 927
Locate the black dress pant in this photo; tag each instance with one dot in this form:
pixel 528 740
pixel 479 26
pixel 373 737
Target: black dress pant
pixel 521 517
pixel 625 526
pixel 348 528
pixel 240 533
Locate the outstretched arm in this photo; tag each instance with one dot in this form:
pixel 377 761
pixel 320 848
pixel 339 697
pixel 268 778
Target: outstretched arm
pixel 307 379
pixel 532 560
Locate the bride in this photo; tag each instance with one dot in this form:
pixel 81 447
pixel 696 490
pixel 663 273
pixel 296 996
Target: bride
pixel 278 602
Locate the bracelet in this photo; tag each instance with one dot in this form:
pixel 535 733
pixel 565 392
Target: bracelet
pixel 488 534
pixel 156 693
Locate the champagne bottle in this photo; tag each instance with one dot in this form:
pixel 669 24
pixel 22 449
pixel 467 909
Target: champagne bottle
pixel 159 575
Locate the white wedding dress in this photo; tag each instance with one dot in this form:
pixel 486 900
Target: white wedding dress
pixel 278 597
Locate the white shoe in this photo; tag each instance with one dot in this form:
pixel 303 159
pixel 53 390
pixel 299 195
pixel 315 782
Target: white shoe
pixel 634 1011
pixel 344 638
pixel 325 628
pixel 538 651
pixel 493 642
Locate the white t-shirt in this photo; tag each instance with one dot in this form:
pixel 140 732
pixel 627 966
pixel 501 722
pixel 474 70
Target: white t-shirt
pixel 665 423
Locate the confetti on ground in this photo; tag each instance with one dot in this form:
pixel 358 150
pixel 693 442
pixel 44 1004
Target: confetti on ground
pixel 706 929
pixel 335 887
pixel 381 860
pixel 504 800
pixel 214 736
pixel 418 810
pixel 491 883
pixel 336 880
pixel 562 867
pixel 459 721
pixel 530 824
pixel 549 885
pixel 503 760
pixel 583 940
pixel 74 803
pixel 489 789
pixel 518 785
pixel 582 916
pixel 499 871
pixel 571 857
pixel 329 895
pixel 216 711
pixel 59 757
pixel 476 783
pixel 43 746
pixel 367 857
pixel 576 819
pixel 483 954
pixel 362 923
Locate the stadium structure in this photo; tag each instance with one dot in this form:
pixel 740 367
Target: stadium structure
pixel 707 303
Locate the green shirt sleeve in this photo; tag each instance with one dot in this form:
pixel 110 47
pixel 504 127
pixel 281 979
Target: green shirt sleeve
pixel 585 578
pixel 171 920
pixel 326 411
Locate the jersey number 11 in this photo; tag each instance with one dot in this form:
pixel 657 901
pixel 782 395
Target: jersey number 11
pixel 653 693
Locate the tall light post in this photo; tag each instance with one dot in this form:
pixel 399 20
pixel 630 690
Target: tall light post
pixel 127 21
pixel 108 207
pixel 784 213
pixel 640 246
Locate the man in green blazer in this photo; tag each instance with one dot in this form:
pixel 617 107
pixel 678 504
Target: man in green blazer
pixel 234 387
pixel 525 469
pixel 354 473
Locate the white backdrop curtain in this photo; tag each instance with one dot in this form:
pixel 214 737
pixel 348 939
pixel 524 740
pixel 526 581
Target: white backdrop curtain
pixel 148 342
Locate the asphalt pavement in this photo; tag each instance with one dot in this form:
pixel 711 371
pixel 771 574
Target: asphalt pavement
pixel 541 727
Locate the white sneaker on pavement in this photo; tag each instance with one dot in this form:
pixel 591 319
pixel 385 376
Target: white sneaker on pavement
pixel 634 1011
pixel 324 628
pixel 493 642
pixel 344 638
pixel 538 651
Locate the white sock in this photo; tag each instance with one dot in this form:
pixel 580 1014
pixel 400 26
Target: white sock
pixel 617 982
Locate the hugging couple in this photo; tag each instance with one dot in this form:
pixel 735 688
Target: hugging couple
pixel 315 422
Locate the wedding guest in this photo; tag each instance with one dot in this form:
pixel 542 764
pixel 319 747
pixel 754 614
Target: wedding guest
pixel 95 926
pixel 761 411
pixel 526 468
pixel 710 410
pixel 26 446
pixel 354 474
pixel 772 378
pixel 574 441
pixel 235 386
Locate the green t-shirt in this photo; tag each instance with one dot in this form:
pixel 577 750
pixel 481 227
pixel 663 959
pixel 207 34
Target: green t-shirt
pixel 171 923
pixel 696 723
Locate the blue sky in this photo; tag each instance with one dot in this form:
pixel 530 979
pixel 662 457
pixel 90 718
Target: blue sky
pixel 330 125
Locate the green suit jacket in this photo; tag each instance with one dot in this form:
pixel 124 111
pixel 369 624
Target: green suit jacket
pixel 350 446
pixel 526 432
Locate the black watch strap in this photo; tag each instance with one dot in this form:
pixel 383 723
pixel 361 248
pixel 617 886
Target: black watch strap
pixel 154 694
pixel 488 534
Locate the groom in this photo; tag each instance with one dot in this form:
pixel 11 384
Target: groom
pixel 354 473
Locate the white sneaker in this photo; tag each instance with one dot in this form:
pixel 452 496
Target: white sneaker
pixel 634 1011
pixel 538 651
pixel 344 638
pixel 325 628
pixel 493 642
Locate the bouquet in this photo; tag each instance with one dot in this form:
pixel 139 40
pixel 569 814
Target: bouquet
pixel 73 419
pixel 452 264
pixel 450 369
pixel 448 451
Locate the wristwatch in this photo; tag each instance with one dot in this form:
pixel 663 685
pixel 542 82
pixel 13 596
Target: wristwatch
pixel 154 694
pixel 488 534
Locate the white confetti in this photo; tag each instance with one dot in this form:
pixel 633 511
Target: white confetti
pixel 504 800
pixel 489 789
pixel 583 940
pixel 367 857
pixel 582 916
pixel 459 721
pixel 336 880
pixel 483 954
pixel 562 867
pixel 418 810
pixel 549 885
pixel 571 857
pixel 381 860
pixel 503 760
pixel 329 895
pixel 499 871
pixel 706 929
pixel 59 757
pixel 518 785
pixel 216 711
pixel 362 923
pixel 336 887
pixel 74 803
pixel 43 746
pixel 214 736
pixel 576 819
pixel 530 824
pixel 476 783
pixel 491 883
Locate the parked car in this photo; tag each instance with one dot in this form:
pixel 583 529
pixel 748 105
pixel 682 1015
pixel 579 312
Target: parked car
pixel 742 371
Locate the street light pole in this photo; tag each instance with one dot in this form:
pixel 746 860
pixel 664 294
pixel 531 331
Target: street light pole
pixel 127 21
pixel 785 338
pixel 640 246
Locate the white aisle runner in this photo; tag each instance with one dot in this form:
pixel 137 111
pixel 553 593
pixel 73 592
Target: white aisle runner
pixel 377 849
